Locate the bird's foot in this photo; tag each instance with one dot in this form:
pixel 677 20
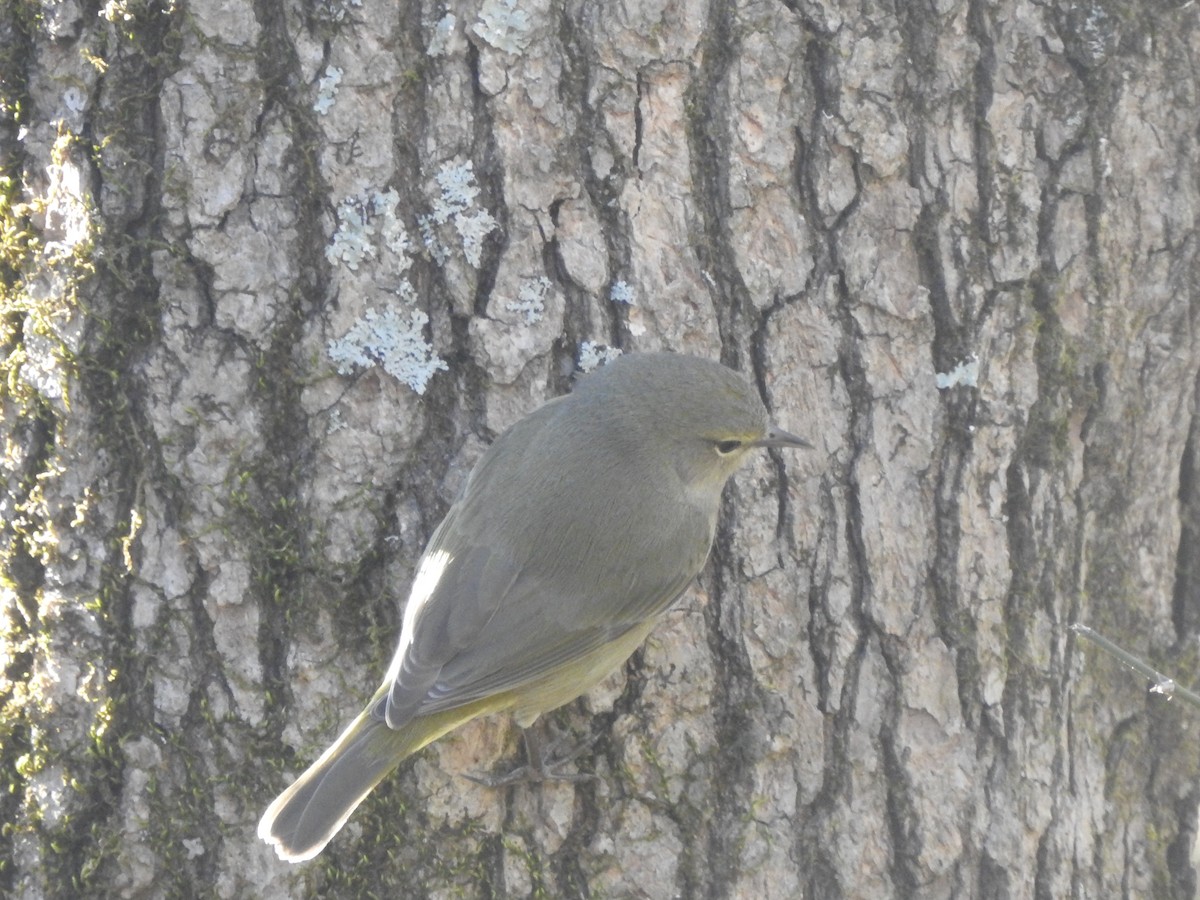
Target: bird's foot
pixel 541 764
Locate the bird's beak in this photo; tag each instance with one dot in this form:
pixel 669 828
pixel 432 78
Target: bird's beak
pixel 777 437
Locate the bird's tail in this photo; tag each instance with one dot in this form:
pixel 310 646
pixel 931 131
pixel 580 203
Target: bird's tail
pixel 301 820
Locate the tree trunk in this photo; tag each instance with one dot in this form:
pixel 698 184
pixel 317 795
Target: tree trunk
pixel 275 274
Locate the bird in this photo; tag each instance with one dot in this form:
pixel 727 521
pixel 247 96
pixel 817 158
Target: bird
pixel 574 532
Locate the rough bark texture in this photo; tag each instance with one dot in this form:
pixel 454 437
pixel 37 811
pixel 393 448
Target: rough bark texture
pixel 208 530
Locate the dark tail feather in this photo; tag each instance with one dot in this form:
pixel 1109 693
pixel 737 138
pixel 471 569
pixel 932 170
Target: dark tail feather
pixel 303 818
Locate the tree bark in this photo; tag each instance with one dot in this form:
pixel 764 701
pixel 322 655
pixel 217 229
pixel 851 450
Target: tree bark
pixel 274 274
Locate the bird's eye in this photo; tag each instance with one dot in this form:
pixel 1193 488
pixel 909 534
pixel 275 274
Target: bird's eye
pixel 726 447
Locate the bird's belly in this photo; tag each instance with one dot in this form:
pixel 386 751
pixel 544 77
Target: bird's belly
pixel 565 683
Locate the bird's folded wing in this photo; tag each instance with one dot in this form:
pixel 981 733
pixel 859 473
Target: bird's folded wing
pixel 490 626
pixel 446 616
pixel 515 650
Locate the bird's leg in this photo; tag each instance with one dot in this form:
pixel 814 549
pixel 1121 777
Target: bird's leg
pixel 547 760
pixel 539 764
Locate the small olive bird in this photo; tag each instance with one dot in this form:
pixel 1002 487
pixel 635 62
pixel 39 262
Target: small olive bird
pixel 575 531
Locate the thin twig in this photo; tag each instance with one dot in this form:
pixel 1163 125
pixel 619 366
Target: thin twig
pixel 1163 684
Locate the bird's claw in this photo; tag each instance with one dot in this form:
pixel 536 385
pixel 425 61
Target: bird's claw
pixel 540 767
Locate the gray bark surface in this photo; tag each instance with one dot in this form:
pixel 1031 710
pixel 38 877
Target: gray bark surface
pixel 953 242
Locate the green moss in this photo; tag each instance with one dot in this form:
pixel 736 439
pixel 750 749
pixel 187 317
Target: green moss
pixel 29 539
pixel 398 856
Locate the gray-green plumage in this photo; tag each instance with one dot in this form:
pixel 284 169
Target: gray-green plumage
pixel 578 527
